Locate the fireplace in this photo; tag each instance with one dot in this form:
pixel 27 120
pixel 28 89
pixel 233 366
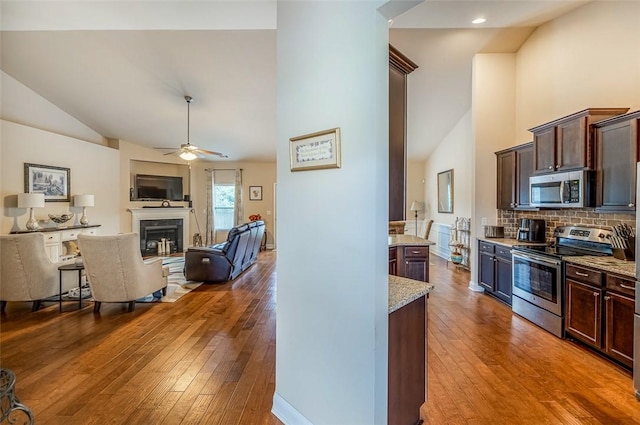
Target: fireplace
pixel 164 224
pixel 153 231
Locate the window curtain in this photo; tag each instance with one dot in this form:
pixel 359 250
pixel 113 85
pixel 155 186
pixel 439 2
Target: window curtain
pixel 211 228
pixel 238 208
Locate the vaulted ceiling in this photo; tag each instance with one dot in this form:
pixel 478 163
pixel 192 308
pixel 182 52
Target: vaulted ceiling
pixel 123 68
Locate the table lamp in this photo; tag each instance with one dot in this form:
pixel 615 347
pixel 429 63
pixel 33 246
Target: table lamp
pixel 416 206
pixel 83 201
pixel 31 201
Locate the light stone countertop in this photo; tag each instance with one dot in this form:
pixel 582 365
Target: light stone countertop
pixel 402 291
pixel 400 240
pixel 607 263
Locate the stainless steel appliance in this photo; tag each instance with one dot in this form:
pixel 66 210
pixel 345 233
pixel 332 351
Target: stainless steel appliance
pixel 538 273
pixel 531 230
pixel 573 189
pixel 636 318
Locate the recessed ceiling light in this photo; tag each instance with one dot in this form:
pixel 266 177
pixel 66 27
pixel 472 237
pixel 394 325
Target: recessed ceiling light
pixel 479 21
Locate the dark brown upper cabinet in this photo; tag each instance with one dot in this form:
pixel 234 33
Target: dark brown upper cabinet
pixel 399 68
pixel 568 142
pixel 617 145
pixel 514 167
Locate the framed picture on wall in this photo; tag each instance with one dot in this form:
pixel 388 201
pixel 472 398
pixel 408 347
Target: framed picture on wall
pixel 315 151
pixel 54 182
pixel 255 193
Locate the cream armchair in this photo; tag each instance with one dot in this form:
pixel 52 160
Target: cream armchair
pixel 116 272
pixel 26 272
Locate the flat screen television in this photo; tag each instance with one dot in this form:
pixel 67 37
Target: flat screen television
pixel 157 188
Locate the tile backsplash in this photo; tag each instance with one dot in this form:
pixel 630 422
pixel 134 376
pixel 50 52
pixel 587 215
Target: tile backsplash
pixel 554 218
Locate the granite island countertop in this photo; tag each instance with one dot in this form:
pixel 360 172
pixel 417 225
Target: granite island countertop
pixel 402 291
pixel 606 263
pixel 400 240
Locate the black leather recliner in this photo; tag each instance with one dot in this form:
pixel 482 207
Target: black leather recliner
pixel 218 263
pixel 225 261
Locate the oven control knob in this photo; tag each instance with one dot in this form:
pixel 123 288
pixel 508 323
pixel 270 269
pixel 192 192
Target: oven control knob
pixel 601 235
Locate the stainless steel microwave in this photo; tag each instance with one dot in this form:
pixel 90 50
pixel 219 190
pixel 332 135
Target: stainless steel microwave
pixel 572 189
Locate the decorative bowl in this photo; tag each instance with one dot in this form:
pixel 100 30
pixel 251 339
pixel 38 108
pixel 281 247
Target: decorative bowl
pixel 61 218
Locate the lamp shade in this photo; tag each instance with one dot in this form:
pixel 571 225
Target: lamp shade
pixel 30 200
pixel 83 200
pixel 416 206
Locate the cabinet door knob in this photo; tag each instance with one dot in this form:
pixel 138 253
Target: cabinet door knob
pixel 607 298
pixel 595 294
pixel 551 167
pixel 631 205
pixel 557 166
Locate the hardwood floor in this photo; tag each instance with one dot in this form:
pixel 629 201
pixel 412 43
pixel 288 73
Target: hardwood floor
pixel 210 359
pixel 487 365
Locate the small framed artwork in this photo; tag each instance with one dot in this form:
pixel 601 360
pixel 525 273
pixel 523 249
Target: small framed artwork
pixel 54 182
pixel 316 150
pixel 255 193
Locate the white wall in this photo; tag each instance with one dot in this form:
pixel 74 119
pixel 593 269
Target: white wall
pixel 493 128
pixel 331 357
pixel 587 58
pixel 92 168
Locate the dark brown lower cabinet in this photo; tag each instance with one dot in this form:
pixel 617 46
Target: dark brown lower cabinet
pixel 600 311
pixel 584 313
pixel 494 270
pixel 410 261
pixel 407 362
pixel 619 327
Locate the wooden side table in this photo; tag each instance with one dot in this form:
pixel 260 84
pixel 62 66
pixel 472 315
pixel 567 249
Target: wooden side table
pixel 72 268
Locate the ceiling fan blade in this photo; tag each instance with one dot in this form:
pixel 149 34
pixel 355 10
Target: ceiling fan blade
pixel 171 153
pixel 221 155
pixel 164 148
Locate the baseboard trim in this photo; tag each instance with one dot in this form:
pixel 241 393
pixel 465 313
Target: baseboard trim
pixel 475 287
pixel 286 413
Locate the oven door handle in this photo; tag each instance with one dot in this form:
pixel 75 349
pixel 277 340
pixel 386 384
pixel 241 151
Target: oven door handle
pixel 535 258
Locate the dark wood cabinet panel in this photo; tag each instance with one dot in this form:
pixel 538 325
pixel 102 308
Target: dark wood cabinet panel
pixel 410 261
pixel 568 142
pixel 506 180
pixel 503 280
pixel 617 141
pixel 584 313
pixel 514 167
pixel 399 68
pixel 544 150
pixel 571 144
pixel 619 310
pixel 393 262
pixel 407 362
pixel 494 270
pixel 524 170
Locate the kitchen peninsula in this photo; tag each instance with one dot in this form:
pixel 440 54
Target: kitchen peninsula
pixel 407 390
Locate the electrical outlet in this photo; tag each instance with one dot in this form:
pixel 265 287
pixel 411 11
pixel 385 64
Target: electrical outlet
pixel 268 212
pixel 483 220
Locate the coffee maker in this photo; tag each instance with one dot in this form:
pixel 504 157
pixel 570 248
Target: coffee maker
pixel 531 230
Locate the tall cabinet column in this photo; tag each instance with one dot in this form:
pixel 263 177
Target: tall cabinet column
pixel 399 67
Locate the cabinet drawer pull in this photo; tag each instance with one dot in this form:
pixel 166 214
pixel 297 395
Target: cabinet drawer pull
pixel 622 285
pixel 582 274
pixel 415 252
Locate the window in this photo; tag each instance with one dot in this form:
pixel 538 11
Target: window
pixel 224 200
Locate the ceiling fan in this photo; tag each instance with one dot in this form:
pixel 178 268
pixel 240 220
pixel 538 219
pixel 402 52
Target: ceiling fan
pixel 187 151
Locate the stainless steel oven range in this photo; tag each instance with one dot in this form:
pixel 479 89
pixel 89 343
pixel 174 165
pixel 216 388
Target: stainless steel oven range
pixel 538 273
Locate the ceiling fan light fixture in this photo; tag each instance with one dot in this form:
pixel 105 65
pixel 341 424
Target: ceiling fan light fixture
pixel 479 20
pixel 188 155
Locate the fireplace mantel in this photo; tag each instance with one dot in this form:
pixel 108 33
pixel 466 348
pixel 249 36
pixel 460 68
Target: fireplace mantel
pixel 138 214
